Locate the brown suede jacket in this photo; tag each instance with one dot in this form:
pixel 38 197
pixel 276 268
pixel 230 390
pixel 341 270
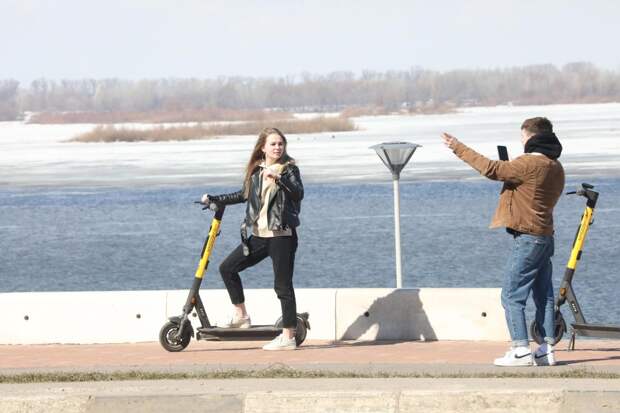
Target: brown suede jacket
pixel 533 184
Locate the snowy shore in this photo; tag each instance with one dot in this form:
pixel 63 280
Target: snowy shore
pixel 37 155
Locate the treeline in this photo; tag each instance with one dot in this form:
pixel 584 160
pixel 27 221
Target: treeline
pixel 9 99
pixel 392 90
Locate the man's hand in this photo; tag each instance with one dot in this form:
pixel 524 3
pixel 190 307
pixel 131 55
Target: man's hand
pixel 449 140
pixel 205 199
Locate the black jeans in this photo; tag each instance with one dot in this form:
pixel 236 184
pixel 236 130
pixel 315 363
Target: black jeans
pixel 282 253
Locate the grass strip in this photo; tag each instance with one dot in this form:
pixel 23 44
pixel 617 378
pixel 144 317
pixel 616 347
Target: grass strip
pixel 288 373
pixel 112 133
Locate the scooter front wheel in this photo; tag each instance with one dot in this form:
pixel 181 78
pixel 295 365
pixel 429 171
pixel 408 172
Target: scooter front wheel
pixel 169 340
pixel 560 329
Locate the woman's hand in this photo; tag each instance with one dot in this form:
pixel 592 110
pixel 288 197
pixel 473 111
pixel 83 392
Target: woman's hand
pixel 268 173
pixel 205 199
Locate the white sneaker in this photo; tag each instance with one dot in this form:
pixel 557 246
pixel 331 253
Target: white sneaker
pixel 241 322
pixel 281 343
pixel 543 356
pixel 519 356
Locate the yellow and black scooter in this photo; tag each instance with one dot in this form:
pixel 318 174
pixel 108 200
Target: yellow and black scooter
pixel 566 293
pixel 177 333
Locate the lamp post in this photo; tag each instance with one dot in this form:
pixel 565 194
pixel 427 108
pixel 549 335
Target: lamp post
pixel 395 156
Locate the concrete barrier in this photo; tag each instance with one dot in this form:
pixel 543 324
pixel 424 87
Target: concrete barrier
pixel 81 317
pixel 425 314
pixel 465 313
pixel 335 314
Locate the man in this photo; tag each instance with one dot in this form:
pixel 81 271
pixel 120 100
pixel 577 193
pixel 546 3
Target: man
pixel 533 182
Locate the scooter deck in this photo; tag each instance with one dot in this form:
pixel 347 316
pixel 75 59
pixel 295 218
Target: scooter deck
pixel 238 334
pixel 597 330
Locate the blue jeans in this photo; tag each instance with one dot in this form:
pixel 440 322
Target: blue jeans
pixel 529 268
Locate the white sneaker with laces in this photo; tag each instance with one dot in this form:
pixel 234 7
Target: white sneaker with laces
pixel 281 343
pixel 515 357
pixel 544 356
pixel 239 322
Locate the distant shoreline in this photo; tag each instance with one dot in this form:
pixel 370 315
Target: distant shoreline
pixel 155 116
pixel 218 115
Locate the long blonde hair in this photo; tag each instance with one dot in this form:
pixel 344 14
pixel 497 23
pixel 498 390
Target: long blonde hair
pixel 258 156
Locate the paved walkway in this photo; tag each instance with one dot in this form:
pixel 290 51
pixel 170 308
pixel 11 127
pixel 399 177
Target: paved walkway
pixel 442 357
pixel 468 361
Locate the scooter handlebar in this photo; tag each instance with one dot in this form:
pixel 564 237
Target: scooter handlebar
pixel 581 192
pixel 211 205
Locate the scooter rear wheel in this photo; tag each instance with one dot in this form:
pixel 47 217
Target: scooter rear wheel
pixel 168 339
pixel 300 331
pixel 560 329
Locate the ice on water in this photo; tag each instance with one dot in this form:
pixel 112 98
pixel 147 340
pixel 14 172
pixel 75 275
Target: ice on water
pixel 33 155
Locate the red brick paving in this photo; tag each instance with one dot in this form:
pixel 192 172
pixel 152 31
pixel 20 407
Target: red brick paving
pixel 589 353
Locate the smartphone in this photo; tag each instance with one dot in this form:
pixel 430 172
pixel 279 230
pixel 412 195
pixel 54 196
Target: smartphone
pixel 502 152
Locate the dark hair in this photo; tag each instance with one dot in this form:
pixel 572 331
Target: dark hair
pixel 537 125
pixel 258 156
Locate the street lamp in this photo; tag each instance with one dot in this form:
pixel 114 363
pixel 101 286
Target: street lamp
pixel 395 156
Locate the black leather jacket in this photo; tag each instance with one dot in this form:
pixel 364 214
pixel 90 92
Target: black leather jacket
pixel 284 203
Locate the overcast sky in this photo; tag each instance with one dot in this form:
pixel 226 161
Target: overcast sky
pixel 136 39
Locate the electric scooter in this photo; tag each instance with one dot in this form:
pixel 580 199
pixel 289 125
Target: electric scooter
pixel 580 326
pixel 177 333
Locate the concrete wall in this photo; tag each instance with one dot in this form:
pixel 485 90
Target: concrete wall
pixel 335 314
pixel 424 314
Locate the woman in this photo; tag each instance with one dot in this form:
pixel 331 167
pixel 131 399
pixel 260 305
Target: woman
pixel 273 191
